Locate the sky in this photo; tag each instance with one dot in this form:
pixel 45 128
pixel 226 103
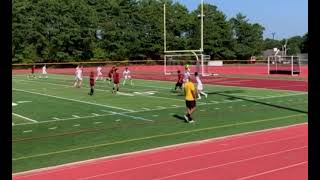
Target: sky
pixel 285 18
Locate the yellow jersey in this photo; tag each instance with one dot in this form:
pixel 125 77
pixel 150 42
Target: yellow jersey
pixel 188 88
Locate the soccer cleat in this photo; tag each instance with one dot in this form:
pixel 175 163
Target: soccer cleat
pixel 191 121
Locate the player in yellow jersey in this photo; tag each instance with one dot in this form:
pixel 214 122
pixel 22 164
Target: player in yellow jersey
pixel 190 97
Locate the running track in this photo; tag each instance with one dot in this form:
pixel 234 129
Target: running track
pixel 277 154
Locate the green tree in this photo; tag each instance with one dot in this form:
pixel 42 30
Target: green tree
pixel 218 40
pixel 249 37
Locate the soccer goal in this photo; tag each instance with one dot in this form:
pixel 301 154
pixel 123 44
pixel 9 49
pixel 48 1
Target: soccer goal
pixel 177 61
pixel 284 65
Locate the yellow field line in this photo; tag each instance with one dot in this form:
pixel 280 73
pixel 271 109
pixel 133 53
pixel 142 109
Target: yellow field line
pixel 155 136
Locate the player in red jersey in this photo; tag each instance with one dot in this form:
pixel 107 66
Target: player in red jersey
pixel 180 81
pixel 33 68
pixel 116 81
pixel 110 74
pixel 91 81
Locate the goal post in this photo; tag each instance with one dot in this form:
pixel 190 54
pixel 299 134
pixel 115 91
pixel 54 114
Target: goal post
pixel 176 61
pixel 284 65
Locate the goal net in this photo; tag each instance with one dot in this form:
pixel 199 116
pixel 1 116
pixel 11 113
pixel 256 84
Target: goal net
pixel 284 65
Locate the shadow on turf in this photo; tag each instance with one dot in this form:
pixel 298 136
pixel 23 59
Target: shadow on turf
pixel 259 102
pixel 179 117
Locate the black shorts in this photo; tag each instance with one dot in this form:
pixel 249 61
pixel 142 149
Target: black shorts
pixel 179 84
pixel 190 104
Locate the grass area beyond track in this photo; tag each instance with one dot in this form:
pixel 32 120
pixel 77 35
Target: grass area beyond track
pixel 54 123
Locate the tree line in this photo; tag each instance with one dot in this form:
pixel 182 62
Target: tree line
pixel 81 30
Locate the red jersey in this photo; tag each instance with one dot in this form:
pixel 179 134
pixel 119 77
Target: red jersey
pixel 116 77
pixel 91 79
pixel 180 78
pixel 111 72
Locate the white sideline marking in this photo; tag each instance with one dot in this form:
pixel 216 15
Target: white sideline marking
pixel 96 122
pixel 95 114
pixel 134 117
pixel 220 165
pixel 27 131
pixel 56 118
pixel 274 170
pixel 75 116
pixel 20 102
pixel 118 120
pixel 120 93
pixel 175 105
pixel 76 125
pixel 53 128
pixel 145 108
pixel 216 85
pixel 160 107
pixel 75 100
pixel 23 117
pixel 125 94
pixel 127 155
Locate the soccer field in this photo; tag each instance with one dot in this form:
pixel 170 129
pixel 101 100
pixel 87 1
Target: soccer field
pixel 54 123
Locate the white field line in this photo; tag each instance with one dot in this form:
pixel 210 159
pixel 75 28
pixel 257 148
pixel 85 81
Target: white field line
pixel 23 117
pixel 200 103
pixel 134 117
pixel 64 119
pixel 75 100
pixel 147 110
pixel 120 93
pixel 155 136
pixel 224 164
pixel 211 85
pixel 128 155
pixel 274 170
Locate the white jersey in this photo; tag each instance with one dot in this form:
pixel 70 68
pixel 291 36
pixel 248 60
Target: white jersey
pixel 126 74
pixel 44 70
pixel 186 76
pixel 99 73
pixel 79 74
pixel 199 84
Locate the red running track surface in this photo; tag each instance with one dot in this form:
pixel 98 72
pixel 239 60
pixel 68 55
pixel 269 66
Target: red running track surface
pixel 277 154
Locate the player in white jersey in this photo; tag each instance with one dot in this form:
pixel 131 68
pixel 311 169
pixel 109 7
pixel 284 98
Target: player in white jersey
pixel 186 74
pixel 127 75
pixel 99 73
pixel 78 79
pixel 199 86
pixel 44 72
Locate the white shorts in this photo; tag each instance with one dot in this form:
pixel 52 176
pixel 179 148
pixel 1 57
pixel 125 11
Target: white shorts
pixel 199 87
pixel 99 73
pixel 44 72
pixel 127 77
pixel 78 78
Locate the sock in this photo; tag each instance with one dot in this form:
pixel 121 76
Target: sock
pixel 199 96
pixel 91 91
pixel 203 93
